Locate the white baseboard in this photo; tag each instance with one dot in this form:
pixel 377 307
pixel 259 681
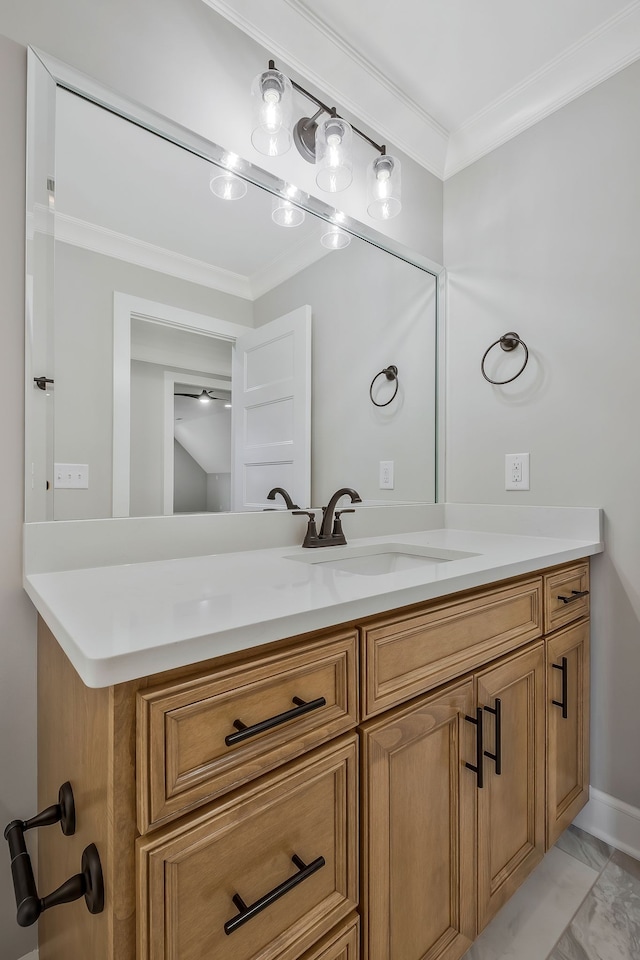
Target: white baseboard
pixel 611 820
pixel 31 956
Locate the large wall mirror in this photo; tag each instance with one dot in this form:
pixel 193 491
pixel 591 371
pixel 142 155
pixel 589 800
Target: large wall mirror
pixel 189 350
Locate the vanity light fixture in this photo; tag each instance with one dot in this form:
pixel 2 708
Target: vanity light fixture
pixel 383 188
pixel 325 142
pixel 272 108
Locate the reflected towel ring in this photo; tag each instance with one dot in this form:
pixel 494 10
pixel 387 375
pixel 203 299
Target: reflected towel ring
pixel 391 373
pixel 508 342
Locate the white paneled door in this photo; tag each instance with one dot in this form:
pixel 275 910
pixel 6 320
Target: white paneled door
pixel 271 413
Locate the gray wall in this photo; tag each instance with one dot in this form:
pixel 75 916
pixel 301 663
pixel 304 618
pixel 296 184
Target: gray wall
pixel 542 237
pixel 85 283
pixel 17 618
pixel 178 57
pixel 190 482
pixel 369 310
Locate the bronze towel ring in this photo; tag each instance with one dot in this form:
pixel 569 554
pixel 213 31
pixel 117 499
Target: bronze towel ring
pixel 391 373
pixel 508 342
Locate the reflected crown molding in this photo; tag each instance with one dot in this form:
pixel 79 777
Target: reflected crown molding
pixel 90 236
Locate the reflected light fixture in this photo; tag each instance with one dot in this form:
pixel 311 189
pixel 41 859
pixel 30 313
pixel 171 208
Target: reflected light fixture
pixel 324 139
pixel 335 238
pixel 204 397
pixel 227 185
pixel 285 213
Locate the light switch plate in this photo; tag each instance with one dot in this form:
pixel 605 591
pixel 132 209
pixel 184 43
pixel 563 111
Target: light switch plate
pixel 386 474
pixel 71 476
pixel 516 471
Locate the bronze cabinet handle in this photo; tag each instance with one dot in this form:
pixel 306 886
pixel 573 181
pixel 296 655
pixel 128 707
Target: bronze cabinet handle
pixel 575 595
pixel 244 732
pixel 246 913
pixel 562 703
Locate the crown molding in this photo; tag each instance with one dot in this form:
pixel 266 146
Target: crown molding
pixel 290 32
pixel 109 243
pixel 595 57
pixel 79 233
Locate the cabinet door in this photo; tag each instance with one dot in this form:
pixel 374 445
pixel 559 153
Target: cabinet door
pixel 419 830
pixel 567 727
pixel 511 804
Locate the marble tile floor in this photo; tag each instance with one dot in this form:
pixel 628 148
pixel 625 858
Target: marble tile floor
pixel 581 903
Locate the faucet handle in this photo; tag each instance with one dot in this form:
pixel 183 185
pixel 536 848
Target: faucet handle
pixel 337 534
pixel 311 536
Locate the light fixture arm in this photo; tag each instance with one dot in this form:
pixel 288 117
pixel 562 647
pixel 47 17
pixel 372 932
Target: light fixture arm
pixel 308 123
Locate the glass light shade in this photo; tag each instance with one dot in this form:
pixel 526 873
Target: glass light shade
pixel 335 238
pixel 333 154
pixel 383 188
pixel 227 186
pixel 285 213
pixel 272 109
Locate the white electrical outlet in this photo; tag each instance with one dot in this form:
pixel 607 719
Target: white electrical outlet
pixel 386 474
pixel 71 476
pixel 516 471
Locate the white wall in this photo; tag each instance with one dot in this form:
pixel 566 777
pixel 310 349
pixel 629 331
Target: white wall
pixel 178 57
pixel 542 237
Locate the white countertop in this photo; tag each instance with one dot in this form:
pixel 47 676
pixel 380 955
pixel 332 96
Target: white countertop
pixel 119 622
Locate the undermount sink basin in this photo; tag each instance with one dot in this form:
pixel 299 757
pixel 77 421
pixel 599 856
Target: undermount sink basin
pixel 378 558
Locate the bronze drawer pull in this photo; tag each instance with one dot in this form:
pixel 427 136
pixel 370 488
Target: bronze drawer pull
pixel 575 595
pixel 562 703
pixel 246 913
pixel 244 732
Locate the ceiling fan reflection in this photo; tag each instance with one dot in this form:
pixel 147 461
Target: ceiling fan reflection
pixel 206 396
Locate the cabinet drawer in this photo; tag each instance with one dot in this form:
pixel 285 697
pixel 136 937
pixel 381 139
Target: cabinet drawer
pixel 184 755
pixel 340 944
pixel 566 595
pixel 243 848
pixel 405 655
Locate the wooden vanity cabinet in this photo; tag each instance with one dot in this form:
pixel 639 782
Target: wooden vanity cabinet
pixel 186 817
pixel 444 848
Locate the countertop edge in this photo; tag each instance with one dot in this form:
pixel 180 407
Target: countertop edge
pixel 106 672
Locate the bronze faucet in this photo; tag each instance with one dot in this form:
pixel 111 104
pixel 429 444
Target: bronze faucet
pixel 285 496
pixel 331 533
pixel 326 530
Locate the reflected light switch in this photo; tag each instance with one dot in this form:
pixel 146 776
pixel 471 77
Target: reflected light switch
pixel 71 476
